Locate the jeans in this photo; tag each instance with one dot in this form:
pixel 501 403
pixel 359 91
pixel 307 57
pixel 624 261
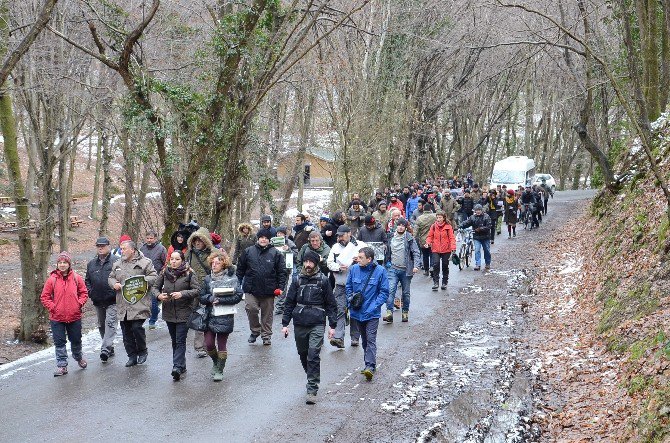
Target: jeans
pixel 479 245
pixel 73 331
pixel 308 341
pixel 178 333
pixel 154 310
pixel 134 337
pixel 444 258
pixel 395 276
pixel 425 255
pixel 264 306
pixel 341 299
pixel 368 340
pixel 107 327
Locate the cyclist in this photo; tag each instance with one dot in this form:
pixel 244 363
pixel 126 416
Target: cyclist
pixel 442 242
pixel 481 226
pixel 528 202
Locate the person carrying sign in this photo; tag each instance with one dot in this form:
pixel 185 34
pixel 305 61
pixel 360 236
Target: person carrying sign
pixel 132 277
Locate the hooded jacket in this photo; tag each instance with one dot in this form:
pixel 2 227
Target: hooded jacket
pixel 375 294
pixel 441 238
pixel 97 284
pixel 423 224
pixel 175 245
pixel 121 270
pixel 323 252
pixel 242 241
pixel 376 234
pixel 221 324
pixel 197 258
pixel 263 270
pixel 64 296
pixel 412 254
pixel 481 226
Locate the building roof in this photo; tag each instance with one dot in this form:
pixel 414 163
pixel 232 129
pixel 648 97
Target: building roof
pixel 324 154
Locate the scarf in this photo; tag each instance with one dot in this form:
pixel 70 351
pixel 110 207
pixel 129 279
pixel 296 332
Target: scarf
pixel 173 274
pixel 509 200
pixel 218 276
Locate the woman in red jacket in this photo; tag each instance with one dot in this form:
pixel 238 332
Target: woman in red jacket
pixel 442 242
pixel 64 295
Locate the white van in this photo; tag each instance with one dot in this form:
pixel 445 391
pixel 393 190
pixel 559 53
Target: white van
pixel 513 171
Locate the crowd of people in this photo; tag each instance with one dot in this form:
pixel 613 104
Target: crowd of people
pixel 339 270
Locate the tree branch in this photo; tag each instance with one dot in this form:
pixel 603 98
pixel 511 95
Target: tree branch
pixel 90 52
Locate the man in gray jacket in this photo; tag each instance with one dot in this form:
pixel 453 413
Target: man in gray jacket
pixel 343 255
pixel 156 252
pixel 403 254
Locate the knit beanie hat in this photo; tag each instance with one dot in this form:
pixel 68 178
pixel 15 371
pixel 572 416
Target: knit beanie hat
pixel 264 233
pixel 64 256
pixel 124 237
pixel 312 256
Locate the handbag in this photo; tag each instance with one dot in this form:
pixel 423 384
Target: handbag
pixel 198 319
pixel 357 299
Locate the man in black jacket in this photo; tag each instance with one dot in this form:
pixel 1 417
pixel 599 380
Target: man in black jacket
pixel 103 297
pixel 263 269
pixel 481 227
pixel 309 303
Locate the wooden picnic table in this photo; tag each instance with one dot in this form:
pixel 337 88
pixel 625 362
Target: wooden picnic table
pixel 6 202
pixel 75 221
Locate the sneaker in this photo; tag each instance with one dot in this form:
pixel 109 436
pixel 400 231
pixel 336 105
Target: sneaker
pixel 354 342
pixel 337 342
pixel 60 370
pixel 152 325
pixel 176 373
pixel 252 338
pixel 435 286
pixel 142 358
pixel 405 317
pixel 368 373
pixel 476 268
pixel 310 398
pixel 388 318
pixel 443 287
pixel 201 353
pixel 487 267
pixel 82 363
pixel 267 342
pixel 104 356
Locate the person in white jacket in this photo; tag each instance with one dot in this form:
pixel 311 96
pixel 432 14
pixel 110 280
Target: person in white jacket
pixel 343 255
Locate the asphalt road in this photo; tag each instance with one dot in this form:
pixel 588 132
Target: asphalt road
pixel 262 395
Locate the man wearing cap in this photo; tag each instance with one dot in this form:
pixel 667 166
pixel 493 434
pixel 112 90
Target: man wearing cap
pixel 266 223
pixel 262 273
pixel 310 302
pixel 342 256
pixel 403 257
pixel 481 227
pixel 373 232
pixel 103 297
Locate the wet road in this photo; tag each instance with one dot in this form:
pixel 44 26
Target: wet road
pixel 447 369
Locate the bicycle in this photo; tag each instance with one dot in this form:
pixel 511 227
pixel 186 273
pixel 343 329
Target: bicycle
pixel 467 246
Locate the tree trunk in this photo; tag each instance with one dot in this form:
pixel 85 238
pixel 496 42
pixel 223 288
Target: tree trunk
pixel 107 156
pixel 142 198
pixel 129 185
pixel 98 171
pixel 63 221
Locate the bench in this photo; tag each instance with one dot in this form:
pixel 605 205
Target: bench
pixel 75 221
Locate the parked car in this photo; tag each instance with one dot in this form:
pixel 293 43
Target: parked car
pixel 550 181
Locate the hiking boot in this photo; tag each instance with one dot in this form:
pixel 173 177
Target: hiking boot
pixel 354 342
pixel 132 361
pixel 252 338
pixel 201 353
pixel 405 317
pixel 388 317
pixel 267 342
pixel 104 356
pixel 444 286
pixel 142 358
pixel 368 373
pixel 310 398
pixel 487 267
pixel 477 268
pixel 435 286
pixel 60 370
pixel 82 363
pixel 176 373
pixel 337 342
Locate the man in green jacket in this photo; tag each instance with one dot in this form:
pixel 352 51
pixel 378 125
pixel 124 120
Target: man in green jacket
pixel 423 224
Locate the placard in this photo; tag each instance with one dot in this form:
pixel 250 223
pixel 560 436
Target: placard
pixel 134 289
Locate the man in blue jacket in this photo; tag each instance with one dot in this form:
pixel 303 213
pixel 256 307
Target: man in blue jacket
pixel 371 281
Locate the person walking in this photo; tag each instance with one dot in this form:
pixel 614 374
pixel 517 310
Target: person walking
pixel 511 214
pixel 309 303
pixel 342 256
pixel 442 243
pixel 102 296
pixel 220 293
pixel 423 224
pixel 492 210
pixel 402 256
pixel 132 277
pixel 367 289
pixel 199 247
pixel 156 252
pixel 481 226
pixel 178 242
pixel 315 244
pixel 64 295
pixel 262 271
pixel 176 287
pixel 245 238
